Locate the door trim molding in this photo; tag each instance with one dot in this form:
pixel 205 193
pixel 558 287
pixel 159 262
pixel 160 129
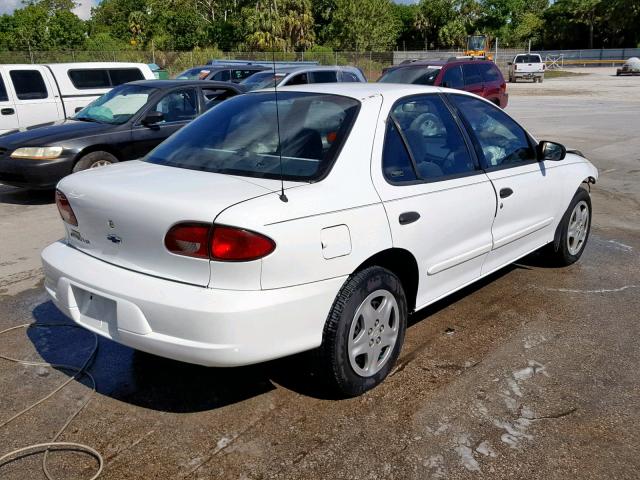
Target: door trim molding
pixel 458 259
pixel 501 242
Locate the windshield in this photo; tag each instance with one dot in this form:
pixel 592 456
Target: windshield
pixel 477 42
pixel 116 106
pixel 416 75
pixel 240 136
pixel 194 74
pixel 262 80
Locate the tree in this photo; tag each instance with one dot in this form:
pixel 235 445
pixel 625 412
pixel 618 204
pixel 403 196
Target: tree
pixel 586 12
pixel 279 25
pixel 364 25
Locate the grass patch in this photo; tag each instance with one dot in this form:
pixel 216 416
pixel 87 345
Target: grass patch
pixel 562 73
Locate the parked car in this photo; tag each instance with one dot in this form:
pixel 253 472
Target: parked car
pixel 231 243
pixel 32 94
pixel 301 76
pixel 481 77
pixel 222 73
pixel 527 66
pixel 158 72
pixel 124 124
pixel 630 67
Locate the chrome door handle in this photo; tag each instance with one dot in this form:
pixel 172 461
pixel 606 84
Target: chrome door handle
pixel 7 111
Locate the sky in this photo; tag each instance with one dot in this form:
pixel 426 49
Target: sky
pixel 83 10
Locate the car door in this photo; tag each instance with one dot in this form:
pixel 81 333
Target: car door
pixel 452 77
pixel 492 81
pixel 178 107
pixel 37 100
pixel 472 79
pixel 8 114
pixel 528 190
pixel 440 204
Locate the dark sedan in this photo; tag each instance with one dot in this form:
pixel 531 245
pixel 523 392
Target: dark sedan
pixel 123 124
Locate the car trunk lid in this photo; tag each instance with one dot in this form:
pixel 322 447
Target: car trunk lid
pixel 124 212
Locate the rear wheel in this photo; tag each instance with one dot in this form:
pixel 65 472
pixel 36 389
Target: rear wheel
pixel 94 160
pixel 364 332
pixel 573 231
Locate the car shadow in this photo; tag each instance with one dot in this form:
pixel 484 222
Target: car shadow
pixel 166 385
pixel 24 196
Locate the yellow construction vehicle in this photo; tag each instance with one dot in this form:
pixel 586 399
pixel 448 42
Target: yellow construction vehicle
pixel 478 47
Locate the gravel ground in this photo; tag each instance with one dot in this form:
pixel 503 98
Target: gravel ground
pixel 532 373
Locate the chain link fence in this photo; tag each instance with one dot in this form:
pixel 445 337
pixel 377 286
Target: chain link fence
pixel 371 63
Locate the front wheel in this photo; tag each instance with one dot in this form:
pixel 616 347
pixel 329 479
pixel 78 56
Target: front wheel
pixel 94 160
pixel 573 232
pixel 364 331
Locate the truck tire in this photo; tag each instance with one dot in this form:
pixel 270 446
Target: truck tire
pixel 94 160
pixel 364 332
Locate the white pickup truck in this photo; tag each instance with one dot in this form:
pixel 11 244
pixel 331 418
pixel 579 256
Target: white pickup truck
pixel 35 94
pixel 528 66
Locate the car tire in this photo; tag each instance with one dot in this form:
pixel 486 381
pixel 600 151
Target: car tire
pixel 540 79
pixel 94 160
pixel 572 233
pixel 369 312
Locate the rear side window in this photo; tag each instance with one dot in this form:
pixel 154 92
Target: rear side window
pixel 237 75
pixel 396 162
pixel 472 74
pixel 95 78
pixel 433 138
pixel 125 75
pixel 453 77
pixel 102 77
pixel 3 91
pixel 213 96
pixel 490 72
pixel 349 77
pixel 28 84
pixel 324 77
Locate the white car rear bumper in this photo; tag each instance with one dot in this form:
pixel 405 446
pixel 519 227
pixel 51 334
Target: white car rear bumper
pixel 193 324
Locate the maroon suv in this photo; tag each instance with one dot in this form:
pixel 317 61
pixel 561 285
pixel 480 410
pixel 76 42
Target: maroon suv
pixel 481 77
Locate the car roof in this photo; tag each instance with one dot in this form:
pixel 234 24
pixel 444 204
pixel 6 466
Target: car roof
pixel 178 83
pixel 361 91
pixel 439 62
pixel 319 68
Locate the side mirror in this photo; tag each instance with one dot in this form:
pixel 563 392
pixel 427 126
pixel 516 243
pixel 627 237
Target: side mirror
pixel 551 151
pixel 152 118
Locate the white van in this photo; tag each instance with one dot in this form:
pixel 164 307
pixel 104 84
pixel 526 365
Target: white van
pixel 34 94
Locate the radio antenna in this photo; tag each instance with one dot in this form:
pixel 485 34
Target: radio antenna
pixel 282 195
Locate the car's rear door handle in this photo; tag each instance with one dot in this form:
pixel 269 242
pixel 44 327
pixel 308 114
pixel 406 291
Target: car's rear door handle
pixel 7 111
pixel 408 217
pixel 505 192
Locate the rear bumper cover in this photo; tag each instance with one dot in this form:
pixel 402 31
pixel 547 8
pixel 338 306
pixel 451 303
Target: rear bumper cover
pixel 193 324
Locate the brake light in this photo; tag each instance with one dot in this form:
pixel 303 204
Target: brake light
pixel 64 207
pixel 222 243
pixel 238 245
pixel 189 239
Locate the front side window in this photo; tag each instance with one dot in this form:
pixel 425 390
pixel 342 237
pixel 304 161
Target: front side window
pixel 433 140
pixel 240 136
pixel 349 77
pixel 178 106
pixel 501 141
pixel 419 75
pixel 116 106
pixel 28 84
pixel 221 76
pixel 300 79
pixel 213 96
pixel 453 77
pixel 237 75
pixel 3 91
pixel 324 77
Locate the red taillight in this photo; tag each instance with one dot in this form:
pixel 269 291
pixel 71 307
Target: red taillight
pixel 189 239
pixel 237 245
pixel 66 212
pixel 201 240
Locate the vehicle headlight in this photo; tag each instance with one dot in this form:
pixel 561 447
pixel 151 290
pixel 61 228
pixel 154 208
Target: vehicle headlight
pixel 37 153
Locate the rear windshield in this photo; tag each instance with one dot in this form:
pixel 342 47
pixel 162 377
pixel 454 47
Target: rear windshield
pixel 415 75
pixel 528 59
pixel 240 136
pixel 103 77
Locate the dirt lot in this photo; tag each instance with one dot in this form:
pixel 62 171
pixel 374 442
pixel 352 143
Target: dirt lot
pixel 533 373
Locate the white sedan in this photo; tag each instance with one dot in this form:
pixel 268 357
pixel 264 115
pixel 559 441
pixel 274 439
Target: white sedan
pixel 319 216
